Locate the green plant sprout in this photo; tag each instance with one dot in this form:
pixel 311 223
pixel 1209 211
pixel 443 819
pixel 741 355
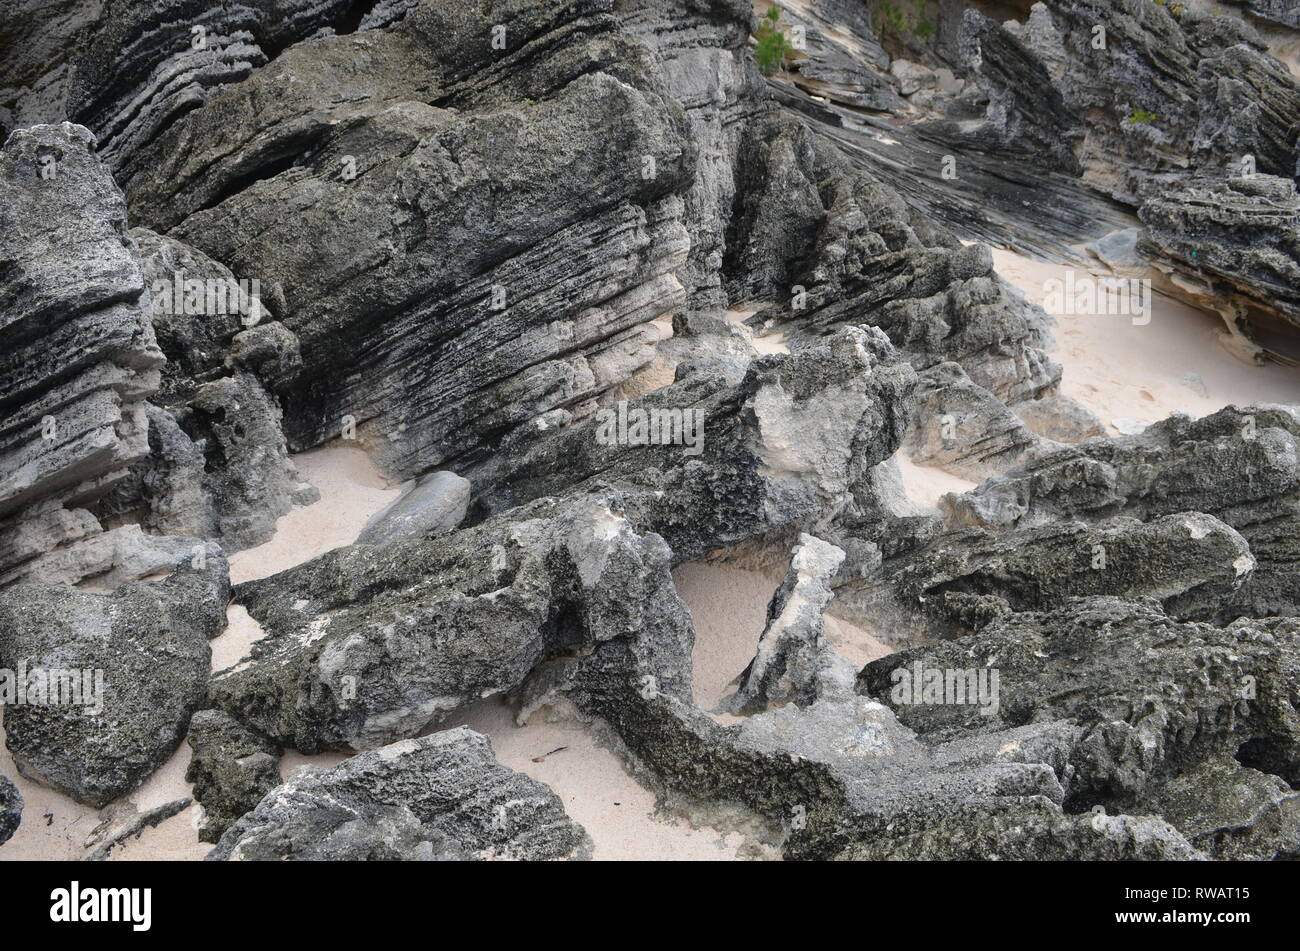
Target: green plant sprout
pixel 773 47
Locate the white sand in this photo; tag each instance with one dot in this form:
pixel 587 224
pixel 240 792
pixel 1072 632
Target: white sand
pixel 925 484
pixel 1119 369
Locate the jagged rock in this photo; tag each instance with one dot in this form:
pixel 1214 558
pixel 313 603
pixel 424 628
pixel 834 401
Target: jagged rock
pixel 699 53
pixel 779 450
pixel 1027 115
pixel 1120 670
pixel 80 354
pixel 842 778
pixel 793 655
pixel 1240 464
pixel 248 476
pixel 1232 812
pixel 1233 247
pixel 852 251
pixel 962 427
pixel 232 769
pixel 1168 90
pixel 366 645
pixel 197 308
pixel 107 559
pixel 1279 11
pixel 432 505
pixel 842 60
pixel 1192 563
pixel 1059 419
pixel 260 150
pixel 134 665
pixel 11 809
pixel 436 798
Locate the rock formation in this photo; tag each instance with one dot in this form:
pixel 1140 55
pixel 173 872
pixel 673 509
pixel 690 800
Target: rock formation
pixel 609 292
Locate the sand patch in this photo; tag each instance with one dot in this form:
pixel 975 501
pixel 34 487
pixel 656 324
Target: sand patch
pixel 1146 372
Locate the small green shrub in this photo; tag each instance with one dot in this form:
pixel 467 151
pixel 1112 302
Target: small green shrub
pixel 901 20
pixel 773 47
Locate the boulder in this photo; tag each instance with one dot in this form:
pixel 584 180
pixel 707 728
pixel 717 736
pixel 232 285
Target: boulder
pixel 440 797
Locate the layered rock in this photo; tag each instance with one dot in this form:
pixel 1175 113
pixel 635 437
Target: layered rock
pixel 1239 464
pixel 81 356
pixel 1119 669
pixel 441 797
pixel 1193 564
pixel 705 463
pixel 1233 246
pixel 367 645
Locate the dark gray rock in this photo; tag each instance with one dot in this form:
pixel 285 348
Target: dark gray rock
pixel 11 809
pixel 370 644
pixel 441 797
pixel 1240 464
pixel 1232 812
pixel 232 769
pixel 141 659
pixel 1233 246
pixel 80 355
pixel 1193 564
pixel 1026 116
pixel 1119 669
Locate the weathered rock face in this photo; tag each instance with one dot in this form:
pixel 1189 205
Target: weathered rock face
pixel 1233 246
pixel 793 654
pixel 699 55
pixel 778 450
pixel 37 51
pixel 842 778
pixel 80 355
pixel 232 769
pixel 82 448
pixel 1026 114
pixel 1118 669
pixel 122 672
pixel 1157 91
pixel 11 809
pixel 1232 812
pixel 238 148
pixel 436 798
pixel 1239 464
pixel 1193 564
pixel 859 254
pixel 367 645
